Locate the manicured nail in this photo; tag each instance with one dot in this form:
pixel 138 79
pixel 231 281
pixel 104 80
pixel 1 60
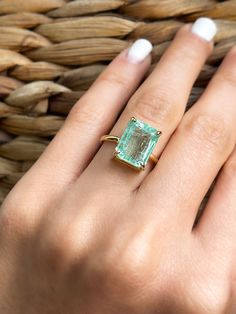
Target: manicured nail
pixel 139 50
pixel 205 28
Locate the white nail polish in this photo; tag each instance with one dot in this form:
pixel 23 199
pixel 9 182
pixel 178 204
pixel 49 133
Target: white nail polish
pixel 139 50
pixel 205 28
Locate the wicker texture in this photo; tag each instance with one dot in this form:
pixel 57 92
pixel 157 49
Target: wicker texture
pixel 52 50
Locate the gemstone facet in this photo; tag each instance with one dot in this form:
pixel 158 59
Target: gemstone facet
pixel 136 144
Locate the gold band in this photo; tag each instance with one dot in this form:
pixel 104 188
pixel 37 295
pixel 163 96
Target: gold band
pixel 114 138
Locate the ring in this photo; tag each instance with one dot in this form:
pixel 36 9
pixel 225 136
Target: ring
pixel 136 144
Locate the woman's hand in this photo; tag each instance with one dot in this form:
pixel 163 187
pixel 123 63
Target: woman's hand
pixel 82 233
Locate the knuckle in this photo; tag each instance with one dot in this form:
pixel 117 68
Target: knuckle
pixel 131 267
pixel 60 246
pixel 154 106
pixel 16 222
pixel 83 113
pixel 115 79
pixel 58 251
pixel 186 53
pixel 135 264
pixel 210 130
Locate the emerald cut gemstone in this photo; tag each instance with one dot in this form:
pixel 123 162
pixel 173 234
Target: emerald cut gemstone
pixel 136 144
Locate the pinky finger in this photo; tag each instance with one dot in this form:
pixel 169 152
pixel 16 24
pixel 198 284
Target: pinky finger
pixel 217 226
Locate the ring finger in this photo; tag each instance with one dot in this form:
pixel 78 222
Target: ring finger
pixel 200 146
pixel 161 99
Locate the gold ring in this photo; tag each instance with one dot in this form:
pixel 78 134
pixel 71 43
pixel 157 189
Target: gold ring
pixel 135 146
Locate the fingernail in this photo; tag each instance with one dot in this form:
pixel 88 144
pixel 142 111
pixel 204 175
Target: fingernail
pixel 139 50
pixel 205 28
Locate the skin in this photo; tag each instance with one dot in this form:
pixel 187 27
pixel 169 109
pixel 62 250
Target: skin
pixel 81 233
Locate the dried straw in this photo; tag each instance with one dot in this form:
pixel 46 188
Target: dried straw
pixel 8 85
pixel 222 10
pixel 8 166
pixel 25 125
pixel 87 27
pixel 24 19
pixel 166 8
pixel 31 93
pixel 10 59
pixel 38 71
pixel 13 6
pixel 21 39
pixel 156 32
pixel 81 7
pixel 81 78
pixel 24 148
pixel 81 51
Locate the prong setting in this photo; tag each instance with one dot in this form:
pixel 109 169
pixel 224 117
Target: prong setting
pixel 142 166
pixel 136 144
pixel 116 152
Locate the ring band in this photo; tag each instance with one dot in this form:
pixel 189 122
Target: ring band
pixel 136 144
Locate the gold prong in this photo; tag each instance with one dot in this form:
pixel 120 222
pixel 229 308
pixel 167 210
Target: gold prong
pixel 133 119
pixel 116 152
pixel 142 166
pixel 159 132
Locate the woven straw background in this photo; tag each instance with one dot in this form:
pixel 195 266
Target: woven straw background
pixel 52 50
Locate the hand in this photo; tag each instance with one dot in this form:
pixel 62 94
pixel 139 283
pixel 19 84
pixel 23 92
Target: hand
pixel 82 233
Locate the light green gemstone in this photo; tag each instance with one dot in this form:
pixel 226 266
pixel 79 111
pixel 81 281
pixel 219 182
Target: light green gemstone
pixel 137 143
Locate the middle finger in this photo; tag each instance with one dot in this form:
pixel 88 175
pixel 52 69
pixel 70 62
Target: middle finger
pixel 160 101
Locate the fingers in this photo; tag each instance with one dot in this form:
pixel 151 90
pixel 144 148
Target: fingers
pixel 216 229
pixel 93 115
pixel 198 149
pixel 217 225
pixel 161 99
